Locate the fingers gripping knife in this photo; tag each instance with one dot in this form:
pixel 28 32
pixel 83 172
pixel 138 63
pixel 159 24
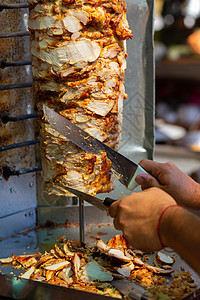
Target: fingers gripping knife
pixel 124 169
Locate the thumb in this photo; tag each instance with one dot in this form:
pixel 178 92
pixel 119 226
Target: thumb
pixel 146 181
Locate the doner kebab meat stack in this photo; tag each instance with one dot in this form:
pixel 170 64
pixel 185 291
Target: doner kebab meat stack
pixel 78 64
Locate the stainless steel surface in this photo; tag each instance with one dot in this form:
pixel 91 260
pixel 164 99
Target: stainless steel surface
pixel 123 168
pixel 17 194
pixel 100 204
pixel 17 222
pixel 19 288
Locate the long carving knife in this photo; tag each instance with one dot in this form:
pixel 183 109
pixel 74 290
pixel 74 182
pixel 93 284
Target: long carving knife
pixel 100 204
pixel 124 169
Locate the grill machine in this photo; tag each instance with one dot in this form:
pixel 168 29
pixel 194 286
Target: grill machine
pixel 30 220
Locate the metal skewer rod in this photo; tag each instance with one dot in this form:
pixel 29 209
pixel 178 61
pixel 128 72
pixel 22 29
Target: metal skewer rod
pixel 17 145
pixel 6 118
pixel 14 5
pixel 4 63
pixel 7 171
pixel 15 86
pixel 14 34
pixel 81 220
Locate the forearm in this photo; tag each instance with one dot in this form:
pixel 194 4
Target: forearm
pixel 172 180
pixel 180 230
pixel 190 196
pixel 195 199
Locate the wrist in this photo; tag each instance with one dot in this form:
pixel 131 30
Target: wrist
pixel 165 225
pixel 196 195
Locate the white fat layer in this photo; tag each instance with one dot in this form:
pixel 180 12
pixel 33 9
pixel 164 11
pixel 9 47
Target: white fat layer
pixel 6 260
pixel 83 50
pixel 28 274
pixel 42 44
pixel 73 175
pixel 72 24
pixel 66 274
pixel 81 16
pixel 101 108
pixel 57 266
pixel 73 52
pixel 118 254
pixel 96 132
pixel 159 270
pixel 44 23
pixel 102 246
pixel 81 118
pixel 125 45
pixel 77 264
pixel 68 271
pixel 165 258
pixel 75 35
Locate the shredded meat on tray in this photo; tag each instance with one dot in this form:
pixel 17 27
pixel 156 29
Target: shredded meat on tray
pixel 93 267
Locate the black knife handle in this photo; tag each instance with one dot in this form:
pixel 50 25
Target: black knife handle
pixel 108 201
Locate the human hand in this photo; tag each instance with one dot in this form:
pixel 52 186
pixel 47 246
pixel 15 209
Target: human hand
pixel 137 215
pixel 169 178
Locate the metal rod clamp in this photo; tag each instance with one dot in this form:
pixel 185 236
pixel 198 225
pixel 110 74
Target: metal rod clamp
pixel 5 64
pixel 15 86
pixel 14 34
pixel 13 6
pixel 7 171
pixel 17 145
pixel 6 118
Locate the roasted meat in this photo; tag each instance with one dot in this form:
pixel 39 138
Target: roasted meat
pixel 78 63
pixel 92 268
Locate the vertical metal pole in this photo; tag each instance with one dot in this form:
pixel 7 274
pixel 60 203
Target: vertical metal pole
pixel 81 221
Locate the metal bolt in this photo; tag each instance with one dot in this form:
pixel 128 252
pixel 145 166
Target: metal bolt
pixel 26 20
pixel 30 213
pixel 28 109
pixel 12 190
pixel 31 184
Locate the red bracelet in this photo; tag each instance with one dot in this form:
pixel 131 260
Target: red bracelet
pixel 159 221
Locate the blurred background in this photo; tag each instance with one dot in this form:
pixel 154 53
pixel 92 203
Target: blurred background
pixel 177 56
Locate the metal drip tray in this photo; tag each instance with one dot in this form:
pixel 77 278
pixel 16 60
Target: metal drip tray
pixel 43 238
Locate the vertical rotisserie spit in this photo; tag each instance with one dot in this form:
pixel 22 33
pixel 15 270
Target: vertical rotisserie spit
pixel 78 59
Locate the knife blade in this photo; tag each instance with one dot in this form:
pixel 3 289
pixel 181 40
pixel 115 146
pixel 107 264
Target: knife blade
pixel 131 289
pixel 100 204
pixel 124 169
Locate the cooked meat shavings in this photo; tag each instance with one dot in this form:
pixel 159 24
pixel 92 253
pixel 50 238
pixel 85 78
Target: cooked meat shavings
pixel 78 65
pixel 90 268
